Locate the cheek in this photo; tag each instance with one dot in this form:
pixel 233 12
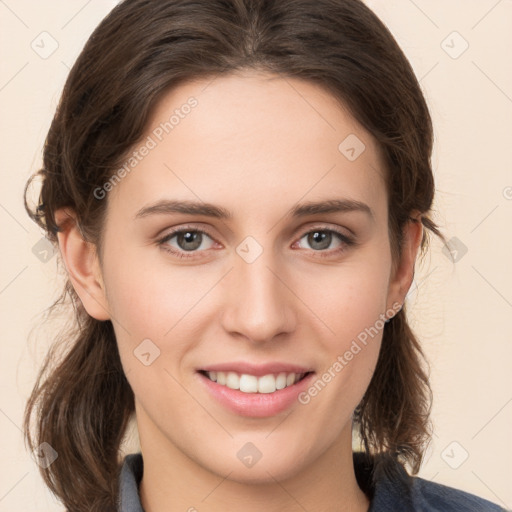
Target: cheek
pixel 151 307
pixel 350 298
pixel 351 302
pixel 158 314
pixel 350 356
pixel 152 299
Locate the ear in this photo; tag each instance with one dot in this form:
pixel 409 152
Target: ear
pixel 82 264
pixel 403 273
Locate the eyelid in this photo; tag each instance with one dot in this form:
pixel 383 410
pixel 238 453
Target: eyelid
pixel 199 228
pixel 161 239
pixel 346 239
pixel 161 242
pixel 195 226
pixel 325 227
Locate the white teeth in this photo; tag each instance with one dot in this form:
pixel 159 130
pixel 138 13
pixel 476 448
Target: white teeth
pixel 281 381
pixel 267 384
pixel 252 384
pixel 233 380
pixel 248 383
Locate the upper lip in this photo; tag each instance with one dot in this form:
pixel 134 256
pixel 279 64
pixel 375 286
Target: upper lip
pixel 258 370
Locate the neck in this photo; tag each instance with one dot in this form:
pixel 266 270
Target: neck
pixel 173 481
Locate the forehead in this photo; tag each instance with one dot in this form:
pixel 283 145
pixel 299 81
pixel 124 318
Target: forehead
pixel 252 140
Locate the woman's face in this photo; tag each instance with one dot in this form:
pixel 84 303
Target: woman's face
pixel 281 270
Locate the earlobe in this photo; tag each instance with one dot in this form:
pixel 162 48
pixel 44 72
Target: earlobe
pixel 404 272
pixel 82 264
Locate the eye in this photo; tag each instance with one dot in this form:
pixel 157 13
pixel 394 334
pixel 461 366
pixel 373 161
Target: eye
pixel 320 239
pixel 186 241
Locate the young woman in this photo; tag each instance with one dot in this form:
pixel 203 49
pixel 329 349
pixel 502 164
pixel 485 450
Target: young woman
pixel 239 190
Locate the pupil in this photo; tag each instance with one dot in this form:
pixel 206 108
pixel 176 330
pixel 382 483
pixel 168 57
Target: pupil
pixel 321 237
pixel 189 238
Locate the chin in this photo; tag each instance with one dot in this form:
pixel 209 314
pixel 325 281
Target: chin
pixel 258 462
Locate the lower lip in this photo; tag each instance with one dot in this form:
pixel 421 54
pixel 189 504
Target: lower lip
pixel 256 405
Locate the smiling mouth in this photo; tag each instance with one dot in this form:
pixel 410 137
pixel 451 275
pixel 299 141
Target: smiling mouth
pixel 246 383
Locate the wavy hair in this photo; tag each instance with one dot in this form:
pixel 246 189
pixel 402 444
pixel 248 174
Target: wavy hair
pixel 82 402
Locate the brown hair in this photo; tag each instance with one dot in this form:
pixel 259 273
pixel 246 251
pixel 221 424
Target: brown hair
pixel 82 400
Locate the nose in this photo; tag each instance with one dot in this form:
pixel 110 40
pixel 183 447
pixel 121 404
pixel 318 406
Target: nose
pixel 259 305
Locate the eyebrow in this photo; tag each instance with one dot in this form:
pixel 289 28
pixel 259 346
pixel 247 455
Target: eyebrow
pixel 167 206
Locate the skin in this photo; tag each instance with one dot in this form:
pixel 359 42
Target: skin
pixel 256 144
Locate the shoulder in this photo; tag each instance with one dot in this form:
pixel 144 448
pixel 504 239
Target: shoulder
pixel 433 496
pixel 390 487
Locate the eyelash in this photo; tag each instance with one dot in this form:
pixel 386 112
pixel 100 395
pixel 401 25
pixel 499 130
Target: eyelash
pixel 346 241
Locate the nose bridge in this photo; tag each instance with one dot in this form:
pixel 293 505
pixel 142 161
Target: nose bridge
pixel 259 305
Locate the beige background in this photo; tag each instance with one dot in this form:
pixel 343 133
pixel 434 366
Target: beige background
pixel 462 311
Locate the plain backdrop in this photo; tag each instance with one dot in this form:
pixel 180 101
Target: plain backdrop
pixel 460 51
